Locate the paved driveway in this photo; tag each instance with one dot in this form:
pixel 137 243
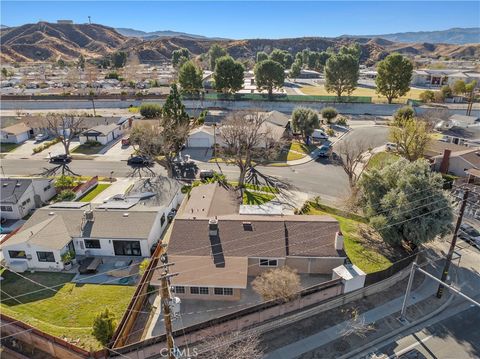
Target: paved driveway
pixel 116 153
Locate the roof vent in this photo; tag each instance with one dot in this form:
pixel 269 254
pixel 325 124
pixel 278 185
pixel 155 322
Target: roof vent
pixel 247 226
pixel 125 214
pixel 51 213
pixel 5 184
pixel 17 184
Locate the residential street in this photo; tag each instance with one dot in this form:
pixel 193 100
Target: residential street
pixel 320 177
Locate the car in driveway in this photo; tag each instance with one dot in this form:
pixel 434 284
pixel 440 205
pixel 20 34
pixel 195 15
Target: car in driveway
pixel 469 235
pixel 206 174
pixel 60 159
pixel 319 135
pixel 41 137
pixel 140 161
pixel 325 150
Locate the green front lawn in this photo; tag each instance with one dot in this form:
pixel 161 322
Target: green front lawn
pixel 256 198
pixel 87 149
pixel 363 245
pixel 7 147
pixel 382 159
pixel 68 310
pixel 95 192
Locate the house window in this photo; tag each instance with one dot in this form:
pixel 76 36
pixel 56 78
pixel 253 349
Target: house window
pixel 6 208
pixel 45 257
pixel 127 248
pixel 92 243
pixel 17 254
pixel 247 226
pixel 198 290
pixel 223 291
pixel 180 289
pixel 162 220
pixel 268 263
pixel 26 201
pixel 47 188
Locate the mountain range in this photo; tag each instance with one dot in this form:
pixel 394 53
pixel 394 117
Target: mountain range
pixel 456 35
pixel 51 41
pixel 159 34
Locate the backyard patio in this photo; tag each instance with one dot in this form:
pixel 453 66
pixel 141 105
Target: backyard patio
pixel 106 270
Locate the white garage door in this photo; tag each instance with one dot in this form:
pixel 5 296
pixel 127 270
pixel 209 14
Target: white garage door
pixel 198 142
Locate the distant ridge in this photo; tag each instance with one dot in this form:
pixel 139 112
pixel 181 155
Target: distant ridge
pixel 159 34
pixel 457 35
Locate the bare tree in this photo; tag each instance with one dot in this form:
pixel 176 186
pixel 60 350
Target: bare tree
pixel 352 154
pixel 357 325
pixel 64 126
pixel 72 77
pixel 232 346
pixel 246 137
pixel 132 69
pixel 282 284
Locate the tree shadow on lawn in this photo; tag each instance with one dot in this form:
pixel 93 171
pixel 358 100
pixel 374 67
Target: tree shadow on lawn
pixel 17 287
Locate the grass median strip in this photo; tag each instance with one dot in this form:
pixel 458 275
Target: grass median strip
pixel 256 198
pixel 95 192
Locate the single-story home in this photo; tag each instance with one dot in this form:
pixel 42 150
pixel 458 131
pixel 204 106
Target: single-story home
pixel 441 77
pixel 128 227
pixel 457 163
pixel 19 196
pixel 17 133
pixel 463 136
pixel 215 249
pixel 101 133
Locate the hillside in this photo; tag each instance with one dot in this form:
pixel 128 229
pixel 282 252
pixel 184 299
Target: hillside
pixel 46 41
pixel 458 36
pixel 159 34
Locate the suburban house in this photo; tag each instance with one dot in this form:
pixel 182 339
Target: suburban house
pixel 129 225
pixel 19 196
pixel 457 163
pixel 38 123
pixel 17 133
pixel 437 148
pixel 216 250
pixel 281 120
pixel 437 78
pixel 101 133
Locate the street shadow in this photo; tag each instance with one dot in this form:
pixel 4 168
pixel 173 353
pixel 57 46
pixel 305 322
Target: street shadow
pixel 63 169
pixel 185 171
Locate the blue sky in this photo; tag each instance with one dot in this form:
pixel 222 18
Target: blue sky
pixel 260 19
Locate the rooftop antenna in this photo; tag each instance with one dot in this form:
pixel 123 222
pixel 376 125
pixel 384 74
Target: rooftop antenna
pixel 89 20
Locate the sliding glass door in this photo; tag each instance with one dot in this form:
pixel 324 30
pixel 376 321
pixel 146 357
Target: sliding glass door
pixel 127 248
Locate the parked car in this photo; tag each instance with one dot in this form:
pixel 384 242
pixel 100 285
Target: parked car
pixel 171 214
pixel 390 146
pixel 206 174
pixel 140 161
pixel 325 150
pixel 60 159
pixel 41 137
pixel 319 135
pixel 469 235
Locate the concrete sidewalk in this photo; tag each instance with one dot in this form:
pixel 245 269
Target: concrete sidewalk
pixel 335 332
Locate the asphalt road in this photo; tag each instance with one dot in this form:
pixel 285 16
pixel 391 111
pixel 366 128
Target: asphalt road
pixel 455 337
pixel 322 178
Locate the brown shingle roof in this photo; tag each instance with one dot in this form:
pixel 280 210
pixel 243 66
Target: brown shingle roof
pixel 16 129
pixel 305 235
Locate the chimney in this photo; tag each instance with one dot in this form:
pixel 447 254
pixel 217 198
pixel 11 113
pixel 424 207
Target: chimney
pixel 130 120
pixel 339 241
pixel 213 227
pixel 445 161
pixel 88 215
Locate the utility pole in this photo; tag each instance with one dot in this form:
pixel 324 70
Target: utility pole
pixel 167 313
pixel 89 20
pixel 453 244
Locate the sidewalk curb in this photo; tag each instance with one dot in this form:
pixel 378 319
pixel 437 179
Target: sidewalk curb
pixel 394 333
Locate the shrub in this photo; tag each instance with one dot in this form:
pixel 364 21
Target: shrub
pixel 150 110
pixel 104 326
pixel 439 96
pixel 342 121
pixel 330 132
pixel 66 195
pixel 427 96
pixel 112 75
pixel 139 94
pixel 143 266
pixel 45 145
pixel 281 284
pixel 329 113
pixel 446 91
